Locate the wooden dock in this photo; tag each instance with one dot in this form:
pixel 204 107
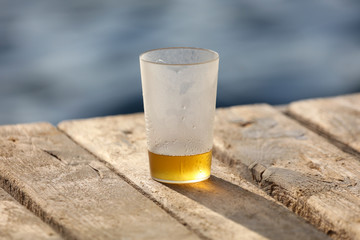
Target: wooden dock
pixel 277 173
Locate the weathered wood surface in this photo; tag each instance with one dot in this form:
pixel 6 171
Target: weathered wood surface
pixel 223 207
pixel 337 118
pixel 16 222
pixel 297 167
pixel 75 193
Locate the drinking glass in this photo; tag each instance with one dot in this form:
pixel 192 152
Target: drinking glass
pixel 179 92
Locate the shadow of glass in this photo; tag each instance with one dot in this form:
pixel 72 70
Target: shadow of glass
pixel 256 213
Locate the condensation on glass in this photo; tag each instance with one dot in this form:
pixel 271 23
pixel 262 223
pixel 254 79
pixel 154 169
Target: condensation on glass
pixel 179 92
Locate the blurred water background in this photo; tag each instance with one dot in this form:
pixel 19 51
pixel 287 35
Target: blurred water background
pixel 77 59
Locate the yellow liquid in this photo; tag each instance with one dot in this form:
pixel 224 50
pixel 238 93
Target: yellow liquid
pixel 180 169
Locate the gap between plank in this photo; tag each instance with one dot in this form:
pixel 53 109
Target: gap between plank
pixel 20 196
pixel 327 136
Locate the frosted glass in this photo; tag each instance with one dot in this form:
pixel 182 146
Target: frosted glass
pixel 179 91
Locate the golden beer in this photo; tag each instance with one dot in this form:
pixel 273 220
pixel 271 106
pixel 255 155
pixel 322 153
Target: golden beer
pixel 180 169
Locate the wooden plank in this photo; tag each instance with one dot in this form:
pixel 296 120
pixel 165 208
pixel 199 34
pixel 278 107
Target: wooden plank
pixel 71 190
pixel 338 118
pixel 300 169
pixel 16 222
pixel 224 207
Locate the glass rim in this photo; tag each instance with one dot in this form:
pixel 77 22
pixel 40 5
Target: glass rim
pixel 180 64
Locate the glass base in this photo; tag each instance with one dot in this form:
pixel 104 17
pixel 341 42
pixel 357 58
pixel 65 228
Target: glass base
pixel 181 182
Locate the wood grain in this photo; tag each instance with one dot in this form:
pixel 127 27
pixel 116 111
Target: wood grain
pixel 338 118
pixel 75 193
pixel 16 222
pixel 297 167
pixel 224 207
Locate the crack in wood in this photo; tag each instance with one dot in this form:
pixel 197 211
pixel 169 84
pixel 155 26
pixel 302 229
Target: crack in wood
pixel 98 172
pixel 127 132
pixel 246 124
pixel 241 122
pixel 52 154
pixel 12 139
